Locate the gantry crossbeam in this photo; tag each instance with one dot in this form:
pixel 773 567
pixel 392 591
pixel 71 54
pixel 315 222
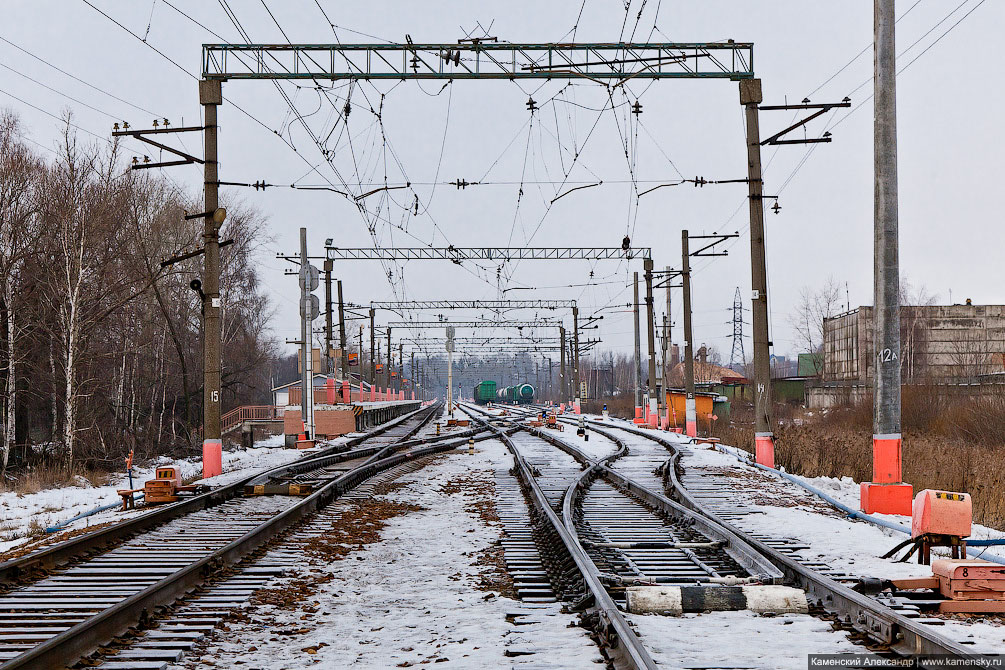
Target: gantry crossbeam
pixel 483 340
pixel 458 254
pixel 597 61
pixel 475 304
pixel 474 324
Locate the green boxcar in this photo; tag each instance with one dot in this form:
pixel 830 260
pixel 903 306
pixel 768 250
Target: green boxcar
pixel 485 392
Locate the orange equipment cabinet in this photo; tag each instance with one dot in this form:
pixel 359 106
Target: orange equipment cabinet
pixel 941 513
pixel 164 488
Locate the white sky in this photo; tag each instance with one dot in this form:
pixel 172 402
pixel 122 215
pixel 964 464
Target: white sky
pixel 950 141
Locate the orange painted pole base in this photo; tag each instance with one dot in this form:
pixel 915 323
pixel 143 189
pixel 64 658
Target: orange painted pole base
pixel 764 449
pixel 886 493
pixel 212 458
pixel 886 498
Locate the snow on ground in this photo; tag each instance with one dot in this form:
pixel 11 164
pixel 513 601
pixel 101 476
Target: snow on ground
pixel 411 598
pixel 739 640
pixel 60 504
pixel 783 509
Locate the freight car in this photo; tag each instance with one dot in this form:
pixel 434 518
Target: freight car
pixel 522 394
pixel 485 392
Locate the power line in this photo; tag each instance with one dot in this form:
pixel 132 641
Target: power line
pixel 76 78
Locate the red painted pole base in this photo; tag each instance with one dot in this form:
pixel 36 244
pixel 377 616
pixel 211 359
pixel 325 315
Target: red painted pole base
pixel 886 498
pixel 691 427
pixel 886 459
pixel 212 458
pixel 764 449
pixel 886 493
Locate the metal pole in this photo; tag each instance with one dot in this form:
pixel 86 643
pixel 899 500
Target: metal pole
pixel 647 265
pixel 411 373
pixel 359 361
pixel 373 349
pixel 387 367
pixel 329 339
pixel 887 493
pixel 211 95
pixel 666 348
pixel 307 380
pixel 341 333
pixel 764 440
pixel 575 353
pixel 563 379
pixel 450 371
pixel 690 413
pixel 638 347
pixel 401 367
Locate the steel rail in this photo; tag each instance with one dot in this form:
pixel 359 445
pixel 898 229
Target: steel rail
pixel 868 616
pixel 84 638
pixel 623 645
pixel 46 559
pixel 735 546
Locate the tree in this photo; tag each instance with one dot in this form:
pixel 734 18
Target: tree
pixel 19 173
pixel 807 321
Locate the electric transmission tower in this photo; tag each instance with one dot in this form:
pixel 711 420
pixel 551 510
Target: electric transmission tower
pixel 738 323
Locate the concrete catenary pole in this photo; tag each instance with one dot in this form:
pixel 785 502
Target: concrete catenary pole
pixel 373 349
pixel 666 346
pixel 690 413
pixel 638 349
pixel 450 371
pixel 387 367
pixel 307 355
pixel 575 354
pixel 563 378
pixel 887 492
pixel 764 439
pixel 651 384
pixel 210 97
pixel 341 334
pixel 329 329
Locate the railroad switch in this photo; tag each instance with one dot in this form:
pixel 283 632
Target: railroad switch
pixel 938 519
pixel 956 585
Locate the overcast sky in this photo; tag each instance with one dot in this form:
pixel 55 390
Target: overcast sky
pixel 950 137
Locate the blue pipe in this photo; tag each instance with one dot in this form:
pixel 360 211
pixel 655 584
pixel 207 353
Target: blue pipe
pixel 55 528
pixel 856 514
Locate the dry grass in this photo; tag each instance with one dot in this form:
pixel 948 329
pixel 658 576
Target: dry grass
pixel 36 528
pixel 621 406
pixel 42 477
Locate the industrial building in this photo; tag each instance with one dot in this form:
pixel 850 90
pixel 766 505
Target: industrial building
pixel 939 344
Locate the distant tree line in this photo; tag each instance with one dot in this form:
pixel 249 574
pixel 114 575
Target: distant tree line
pixel 100 346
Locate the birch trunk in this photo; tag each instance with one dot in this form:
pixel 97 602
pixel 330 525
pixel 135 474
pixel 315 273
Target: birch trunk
pixel 10 410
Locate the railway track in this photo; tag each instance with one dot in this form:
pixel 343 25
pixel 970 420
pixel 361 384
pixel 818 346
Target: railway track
pixel 621 515
pixel 62 603
pixel 602 531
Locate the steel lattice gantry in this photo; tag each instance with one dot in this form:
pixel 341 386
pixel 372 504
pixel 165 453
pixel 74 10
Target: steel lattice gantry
pixel 458 254
pixel 596 61
pixel 475 324
pixel 475 304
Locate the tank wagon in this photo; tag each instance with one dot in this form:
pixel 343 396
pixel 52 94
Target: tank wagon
pixel 522 394
pixel 485 392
